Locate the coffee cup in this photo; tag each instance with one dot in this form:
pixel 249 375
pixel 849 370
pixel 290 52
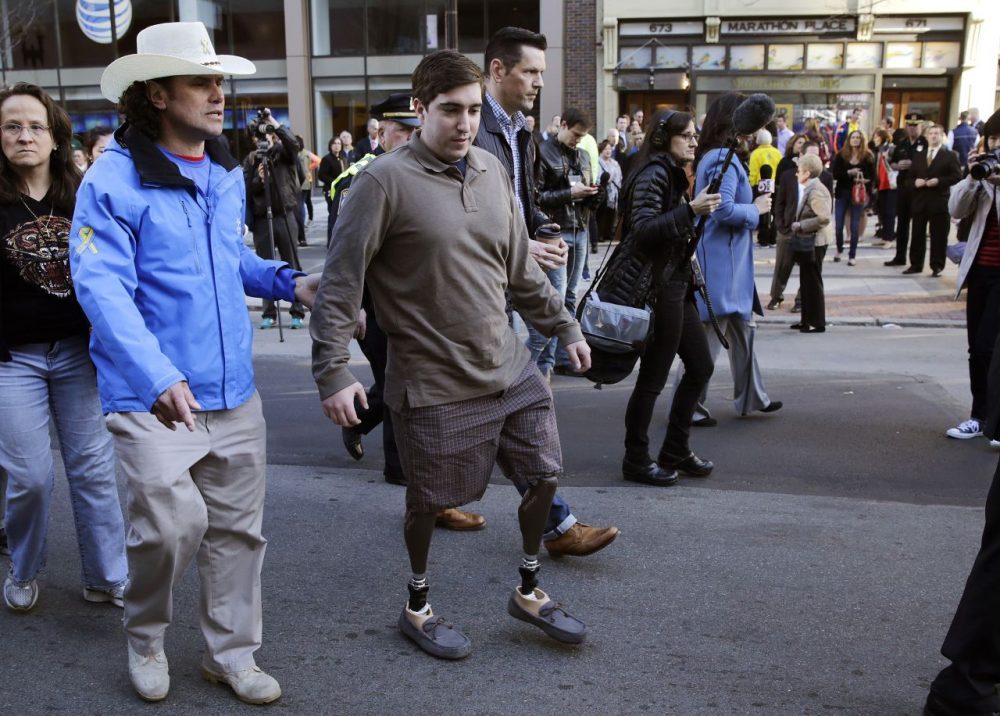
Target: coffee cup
pixel 548 235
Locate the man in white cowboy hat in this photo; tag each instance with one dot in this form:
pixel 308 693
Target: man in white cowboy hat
pixel 161 270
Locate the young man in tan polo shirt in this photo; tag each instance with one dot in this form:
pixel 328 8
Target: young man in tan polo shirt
pixel 435 230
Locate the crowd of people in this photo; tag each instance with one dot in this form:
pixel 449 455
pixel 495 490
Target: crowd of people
pixel 436 239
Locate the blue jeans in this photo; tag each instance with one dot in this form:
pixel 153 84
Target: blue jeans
pixel 844 204
pixel 579 246
pixel 57 382
pixel 543 350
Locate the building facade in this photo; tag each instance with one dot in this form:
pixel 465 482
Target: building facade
pixel 889 58
pixel 322 63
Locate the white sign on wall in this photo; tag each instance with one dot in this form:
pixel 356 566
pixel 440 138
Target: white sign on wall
pixel 660 27
pixel 810 26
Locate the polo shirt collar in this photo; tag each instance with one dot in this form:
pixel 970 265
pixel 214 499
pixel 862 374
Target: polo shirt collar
pixel 430 162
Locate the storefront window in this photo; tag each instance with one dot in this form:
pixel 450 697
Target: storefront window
pixel 396 27
pixel 785 57
pixel 338 27
pixel 825 56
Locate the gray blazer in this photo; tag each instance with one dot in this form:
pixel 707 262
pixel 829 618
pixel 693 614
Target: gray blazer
pixel 814 213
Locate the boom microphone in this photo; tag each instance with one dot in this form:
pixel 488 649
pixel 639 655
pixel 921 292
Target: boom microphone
pixel 753 113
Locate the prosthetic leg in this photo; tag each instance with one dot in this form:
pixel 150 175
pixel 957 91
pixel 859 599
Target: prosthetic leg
pixel 529 603
pixel 417 621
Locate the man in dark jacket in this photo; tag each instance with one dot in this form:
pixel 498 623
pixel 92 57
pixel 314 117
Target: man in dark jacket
pixel 963 138
pixel 515 61
pixel 934 172
pixel 566 191
pixel 283 167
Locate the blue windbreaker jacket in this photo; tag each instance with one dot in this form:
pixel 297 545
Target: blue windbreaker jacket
pixel 162 273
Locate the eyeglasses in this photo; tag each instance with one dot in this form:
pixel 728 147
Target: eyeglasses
pixel 13 129
pixel 689 136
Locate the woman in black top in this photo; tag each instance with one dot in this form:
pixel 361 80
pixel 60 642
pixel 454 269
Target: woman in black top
pixel 854 162
pixel 658 224
pixel 45 371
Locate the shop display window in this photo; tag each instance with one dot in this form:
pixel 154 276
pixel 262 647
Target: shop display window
pixel 746 57
pixel 708 57
pixel 785 57
pixel 863 56
pixel 902 55
pixel 942 54
pixel 825 56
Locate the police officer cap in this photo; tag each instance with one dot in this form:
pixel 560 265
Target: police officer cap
pixel 914 118
pixel 397 108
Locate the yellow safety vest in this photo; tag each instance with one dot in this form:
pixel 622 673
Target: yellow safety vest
pixel 350 172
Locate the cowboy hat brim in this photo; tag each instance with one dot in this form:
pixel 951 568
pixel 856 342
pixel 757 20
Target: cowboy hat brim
pixel 138 68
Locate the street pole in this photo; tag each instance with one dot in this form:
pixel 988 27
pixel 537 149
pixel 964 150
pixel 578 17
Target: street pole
pixel 451 25
pixel 114 30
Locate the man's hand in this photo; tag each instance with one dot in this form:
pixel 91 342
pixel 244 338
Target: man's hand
pixel 579 356
pixel 362 327
pixel 339 407
pixel 579 191
pixel 174 405
pixel 306 287
pixel 548 256
pixel 919 183
pixel 796 226
pixel 931 183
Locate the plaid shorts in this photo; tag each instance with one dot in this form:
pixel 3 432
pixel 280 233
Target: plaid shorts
pixel 448 451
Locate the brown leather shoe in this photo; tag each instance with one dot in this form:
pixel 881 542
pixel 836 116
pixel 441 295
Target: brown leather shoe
pixel 456 519
pixel 581 540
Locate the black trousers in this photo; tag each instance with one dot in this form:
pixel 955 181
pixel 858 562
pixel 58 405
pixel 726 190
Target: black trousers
pixel 904 206
pixel 811 285
pixel 677 331
pixel 973 641
pixel 982 320
pixel 375 346
pixel 940 225
pixel 286 229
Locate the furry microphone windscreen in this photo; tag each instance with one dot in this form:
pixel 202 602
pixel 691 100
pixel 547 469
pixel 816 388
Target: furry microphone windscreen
pixel 753 113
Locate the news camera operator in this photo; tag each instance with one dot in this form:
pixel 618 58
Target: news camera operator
pixel 968 684
pixel 277 146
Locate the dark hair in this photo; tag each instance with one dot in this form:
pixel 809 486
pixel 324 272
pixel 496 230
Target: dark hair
pixel 65 176
pixel 789 147
pixel 441 72
pixel 675 123
pixel 329 145
pixel 882 134
pixel 138 111
pixel 507 43
pixel 718 128
pixel 93 134
pixel 604 143
pixel 572 117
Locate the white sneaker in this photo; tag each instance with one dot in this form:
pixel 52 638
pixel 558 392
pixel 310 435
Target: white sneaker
pixel 20 596
pixel 115 595
pixel 969 429
pixel 995 443
pixel 150 675
pixel 251 686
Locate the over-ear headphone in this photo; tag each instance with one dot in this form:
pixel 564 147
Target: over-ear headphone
pixel 658 138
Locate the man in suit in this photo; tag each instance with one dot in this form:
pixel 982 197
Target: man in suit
pixel 901 161
pixel 369 145
pixel 934 172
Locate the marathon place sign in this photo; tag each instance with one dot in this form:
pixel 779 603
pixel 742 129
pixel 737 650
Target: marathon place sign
pixel 810 26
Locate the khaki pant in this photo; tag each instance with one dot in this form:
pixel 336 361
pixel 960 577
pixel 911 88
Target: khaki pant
pixel 189 494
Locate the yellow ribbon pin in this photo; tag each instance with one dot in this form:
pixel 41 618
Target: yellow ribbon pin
pixel 87 234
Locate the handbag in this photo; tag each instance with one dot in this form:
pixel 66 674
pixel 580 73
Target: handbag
pixel 614 328
pixel 802 242
pixel 859 194
pixel 891 174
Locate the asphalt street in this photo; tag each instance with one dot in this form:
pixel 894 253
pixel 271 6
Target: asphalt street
pixel 815 572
